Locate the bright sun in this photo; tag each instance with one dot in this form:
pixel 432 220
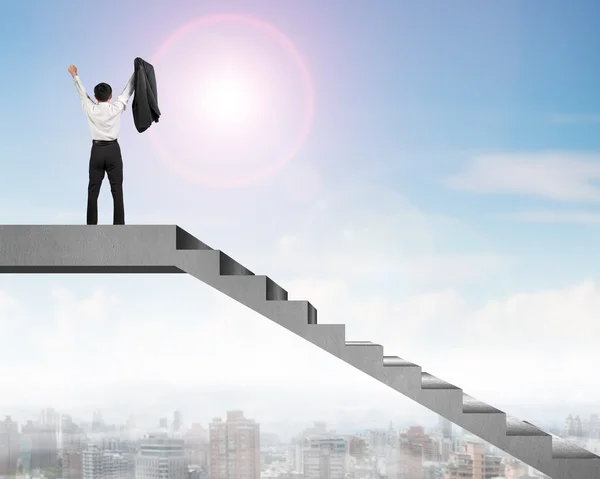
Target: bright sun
pixel 228 100
pixel 240 96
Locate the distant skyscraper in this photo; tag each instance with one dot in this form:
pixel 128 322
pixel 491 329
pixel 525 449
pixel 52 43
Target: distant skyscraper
pixel 420 441
pixel 161 458
pixel 378 439
pixel 594 427
pixel 471 461
pixel 92 462
pixel 43 444
pixel 569 429
pixel 578 430
pixel 163 423
pixel 177 421
pixel 116 465
pixel 196 446
pixel 25 453
pixel 49 417
pixel 325 458
pixel 97 422
pixel 73 437
pixel 357 448
pixel 411 458
pixel 9 446
pixel 444 449
pixel 234 447
pixel 573 427
pixel 99 464
pixel 72 465
pixel 445 427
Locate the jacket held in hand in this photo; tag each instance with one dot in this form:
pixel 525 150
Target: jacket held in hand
pixel 145 101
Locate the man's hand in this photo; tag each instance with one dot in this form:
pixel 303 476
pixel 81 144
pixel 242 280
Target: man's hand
pixel 73 70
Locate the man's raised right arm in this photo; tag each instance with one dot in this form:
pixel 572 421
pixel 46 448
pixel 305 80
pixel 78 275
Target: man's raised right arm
pixel 86 101
pixel 125 95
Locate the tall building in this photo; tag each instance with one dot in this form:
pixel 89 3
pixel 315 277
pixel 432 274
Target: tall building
pixel 594 427
pixel 161 458
pixel 317 431
pixel 378 439
pixel 325 458
pixel 393 462
pixel 445 427
pixel 49 417
pixel 101 464
pixel 73 437
pixel 44 453
pixel 25 453
pixel 234 447
pixel 445 448
pixel 573 427
pixel 357 448
pixel 177 421
pixel 471 461
pixel 72 464
pixel 116 465
pixel 92 462
pixel 9 446
pixel 97 422
pixel 163 423
pixel 578 427
pixel 411 459
pixel 196 446
pixel 421 443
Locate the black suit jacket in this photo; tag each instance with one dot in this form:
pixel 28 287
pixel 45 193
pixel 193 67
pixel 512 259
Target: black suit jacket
pixel 145 101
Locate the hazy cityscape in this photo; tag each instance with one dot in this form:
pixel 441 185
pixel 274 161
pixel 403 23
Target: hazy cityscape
pixel 54 445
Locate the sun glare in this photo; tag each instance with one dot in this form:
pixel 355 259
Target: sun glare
pixel 228 100
pixel 237 99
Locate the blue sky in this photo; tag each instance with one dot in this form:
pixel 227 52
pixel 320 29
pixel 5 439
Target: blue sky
pixel 444 202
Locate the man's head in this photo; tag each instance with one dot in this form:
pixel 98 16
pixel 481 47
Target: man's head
pixel 103 92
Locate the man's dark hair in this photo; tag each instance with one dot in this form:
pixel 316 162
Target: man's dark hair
pixel 102 91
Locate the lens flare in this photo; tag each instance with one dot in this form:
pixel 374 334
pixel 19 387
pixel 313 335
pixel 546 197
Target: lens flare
pixel 228 105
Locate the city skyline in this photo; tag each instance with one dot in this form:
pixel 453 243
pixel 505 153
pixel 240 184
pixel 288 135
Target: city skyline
pixel 54 446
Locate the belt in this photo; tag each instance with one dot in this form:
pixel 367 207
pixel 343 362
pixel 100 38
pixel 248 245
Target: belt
pixel 103 142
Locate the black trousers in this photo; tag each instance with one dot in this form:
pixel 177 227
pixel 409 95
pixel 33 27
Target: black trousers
pixel 106 157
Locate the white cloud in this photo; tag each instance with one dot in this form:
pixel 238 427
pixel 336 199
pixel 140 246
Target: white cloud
pixel 529 348
pixel 456 269
pixel 561 319
pixel 580 217
pixel 376 237
pixel 8 304
pixel 76 321
pixel 12 317
pixel 552 175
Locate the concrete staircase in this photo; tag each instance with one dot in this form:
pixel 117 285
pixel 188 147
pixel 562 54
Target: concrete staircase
pixel 170 249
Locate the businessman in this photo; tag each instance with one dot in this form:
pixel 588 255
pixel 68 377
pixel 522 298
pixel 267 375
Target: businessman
pixel 104 120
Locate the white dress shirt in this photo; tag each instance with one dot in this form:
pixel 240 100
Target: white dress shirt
pixel 104 118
